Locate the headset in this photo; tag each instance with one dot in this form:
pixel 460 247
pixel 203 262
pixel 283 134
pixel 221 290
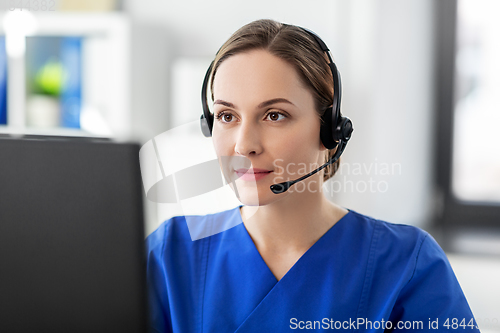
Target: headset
pixel 335 129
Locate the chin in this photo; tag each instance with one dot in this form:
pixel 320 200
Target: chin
pixel 249 194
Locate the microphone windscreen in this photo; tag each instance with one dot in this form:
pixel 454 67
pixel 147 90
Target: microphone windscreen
pixel 280 188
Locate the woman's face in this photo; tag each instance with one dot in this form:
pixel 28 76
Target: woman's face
pixel 264 112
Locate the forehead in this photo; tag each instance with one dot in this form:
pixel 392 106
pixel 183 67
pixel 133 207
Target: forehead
pixel 257 75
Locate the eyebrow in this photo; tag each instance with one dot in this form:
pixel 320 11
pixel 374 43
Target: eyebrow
pixel 261 105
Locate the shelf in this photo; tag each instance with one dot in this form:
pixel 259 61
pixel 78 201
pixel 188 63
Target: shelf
pixel 70 24
pixel 59 131
pixel 105 52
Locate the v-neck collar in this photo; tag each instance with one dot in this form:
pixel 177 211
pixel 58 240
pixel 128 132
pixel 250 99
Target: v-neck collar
pixel 237 275
pixel 302 257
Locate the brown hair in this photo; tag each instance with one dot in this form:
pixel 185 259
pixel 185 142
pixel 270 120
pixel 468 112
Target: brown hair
pixel 295 46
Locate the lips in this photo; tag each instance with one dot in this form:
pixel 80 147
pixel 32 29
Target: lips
pixel 254 174
pixel 252 171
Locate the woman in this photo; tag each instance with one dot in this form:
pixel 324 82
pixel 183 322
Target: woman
pixel 297 261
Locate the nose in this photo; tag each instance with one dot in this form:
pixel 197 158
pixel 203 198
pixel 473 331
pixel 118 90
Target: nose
pixel 248 140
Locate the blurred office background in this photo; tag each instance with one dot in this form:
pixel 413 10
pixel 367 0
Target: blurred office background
pixel 420 80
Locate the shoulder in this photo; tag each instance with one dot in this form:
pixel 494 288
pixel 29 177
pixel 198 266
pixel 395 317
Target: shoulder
pixel 172 229
pixel 190 230
pixel 176 260
pixel 399 251
pixel 408 273
pixel 387 235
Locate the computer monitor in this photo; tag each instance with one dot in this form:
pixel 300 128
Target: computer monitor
pixel 71 236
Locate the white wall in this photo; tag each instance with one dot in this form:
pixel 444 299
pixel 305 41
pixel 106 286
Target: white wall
pixel 478 276
pixel 388 92
pixel 383 49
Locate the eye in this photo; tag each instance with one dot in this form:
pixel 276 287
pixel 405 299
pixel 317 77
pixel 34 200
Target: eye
pixel 224 117
pixel 275 116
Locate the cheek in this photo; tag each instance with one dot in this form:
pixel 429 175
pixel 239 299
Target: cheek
pixel 308 140
pixel 221 146
pixel 298 147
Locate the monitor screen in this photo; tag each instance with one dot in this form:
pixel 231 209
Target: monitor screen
pixel 71 236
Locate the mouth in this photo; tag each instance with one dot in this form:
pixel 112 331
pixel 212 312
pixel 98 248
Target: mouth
pixel 252 174
pixel 253 171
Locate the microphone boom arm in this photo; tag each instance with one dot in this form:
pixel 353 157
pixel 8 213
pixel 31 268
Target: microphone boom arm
pixel 283 187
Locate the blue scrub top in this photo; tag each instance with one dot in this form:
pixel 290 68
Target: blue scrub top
pixel 362 275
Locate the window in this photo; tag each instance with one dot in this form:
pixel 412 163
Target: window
pixel 468 112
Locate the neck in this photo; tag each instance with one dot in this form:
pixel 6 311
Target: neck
pixel 293 223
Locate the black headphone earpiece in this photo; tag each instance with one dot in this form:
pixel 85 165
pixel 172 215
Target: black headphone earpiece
pixel 326 136
pixel 334 127
pixel 207 118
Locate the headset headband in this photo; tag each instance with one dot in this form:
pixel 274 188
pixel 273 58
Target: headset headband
pixel 334 127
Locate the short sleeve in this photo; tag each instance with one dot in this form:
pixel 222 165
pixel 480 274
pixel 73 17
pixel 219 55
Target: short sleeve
pixel 433 295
